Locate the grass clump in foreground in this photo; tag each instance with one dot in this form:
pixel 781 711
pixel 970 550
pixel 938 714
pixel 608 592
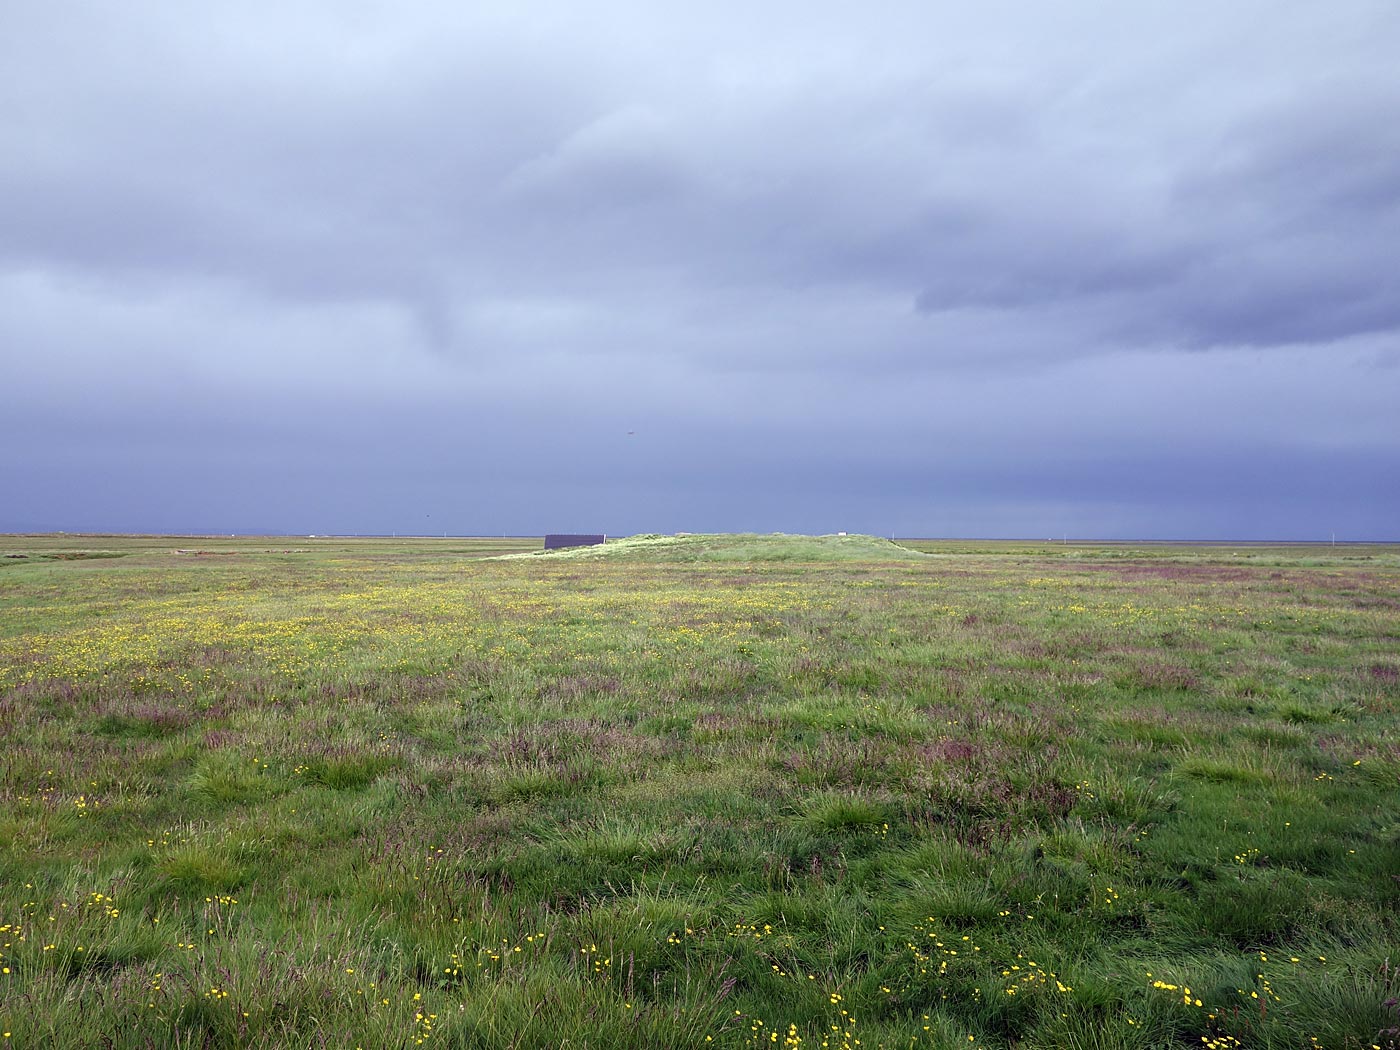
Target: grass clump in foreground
pixel 706 791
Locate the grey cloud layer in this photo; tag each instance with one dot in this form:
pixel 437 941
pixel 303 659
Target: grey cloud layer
pixel 794 231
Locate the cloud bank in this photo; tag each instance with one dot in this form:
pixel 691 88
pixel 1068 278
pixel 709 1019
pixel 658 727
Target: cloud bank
pixel 1017 270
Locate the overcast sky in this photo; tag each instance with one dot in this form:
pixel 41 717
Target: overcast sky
pixel 929 269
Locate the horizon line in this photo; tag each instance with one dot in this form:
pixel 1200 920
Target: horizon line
pixel 1063 541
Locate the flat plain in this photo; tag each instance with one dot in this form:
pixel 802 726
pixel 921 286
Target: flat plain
pixel 701 792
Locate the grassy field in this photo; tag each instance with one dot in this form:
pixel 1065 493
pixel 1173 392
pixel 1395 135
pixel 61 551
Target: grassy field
pixel 709 792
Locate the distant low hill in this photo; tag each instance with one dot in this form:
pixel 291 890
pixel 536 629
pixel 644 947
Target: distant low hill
pixel 739 547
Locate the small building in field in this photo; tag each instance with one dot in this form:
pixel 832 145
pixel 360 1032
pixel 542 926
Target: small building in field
pixel 558 541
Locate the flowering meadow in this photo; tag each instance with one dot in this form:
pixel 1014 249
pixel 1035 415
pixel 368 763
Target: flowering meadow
pixel 700 792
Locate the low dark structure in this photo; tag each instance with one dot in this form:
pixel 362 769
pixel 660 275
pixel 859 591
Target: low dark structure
pixel 557 541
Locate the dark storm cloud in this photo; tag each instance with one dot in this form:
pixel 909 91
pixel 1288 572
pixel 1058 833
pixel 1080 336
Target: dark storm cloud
pixel 1286 233
pixel 276 251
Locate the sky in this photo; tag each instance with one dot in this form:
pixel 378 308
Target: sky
pixel 1085 269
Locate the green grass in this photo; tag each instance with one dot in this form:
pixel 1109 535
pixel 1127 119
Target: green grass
pixel 697 791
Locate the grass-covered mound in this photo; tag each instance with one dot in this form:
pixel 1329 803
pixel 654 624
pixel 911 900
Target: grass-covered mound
pixel 742 547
